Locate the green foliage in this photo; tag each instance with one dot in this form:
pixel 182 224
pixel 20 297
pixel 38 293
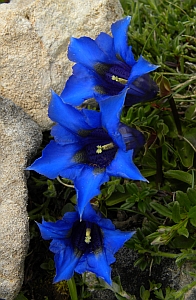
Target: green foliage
pixel 21 296
pixel 167 294
pixel 164 32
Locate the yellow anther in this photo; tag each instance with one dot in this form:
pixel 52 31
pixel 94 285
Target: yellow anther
pixel 118 79
pixel 88 236
pixel 104 147
pixel 99 149
pixel 108 146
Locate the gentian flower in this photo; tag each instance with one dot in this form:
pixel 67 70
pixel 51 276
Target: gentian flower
pixel 106 70
pixel 83 151
pixel 87 245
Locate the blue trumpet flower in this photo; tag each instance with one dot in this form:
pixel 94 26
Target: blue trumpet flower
pixel 87 245
pixel 106 70
pixel 83 151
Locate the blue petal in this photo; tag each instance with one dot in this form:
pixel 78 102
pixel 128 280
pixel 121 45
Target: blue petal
pixel 86 51
pixel 80 86
pixel 140 68
pixel 55 158
pixel 81 71
pixel 66 115
pixel 63 136
pixel 72 172
pixel 70 217
pixel 92 118
pixel 65 263
pixel 109 256
pixel 90 214
pixel 123 166
pixel 105 223
pixel 97 264
pixel 87 185
pixel 51 230
pixel 58 245
pixel 144 88
pixel 115 239
pixel 106 44
pixel 119 31
pixel 111 108
pixel 132 137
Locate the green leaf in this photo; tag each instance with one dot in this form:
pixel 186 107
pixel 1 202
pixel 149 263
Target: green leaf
pixel 183 231
pixel 73 199
pixel 172 127
pixel 141 262
pixel 142 206
pixel 116 198
pixel 190 113
pixel 185 152
pixel 144 294
pixel 132 188
pixel 193 222
pixel 183 199
pixel 48 265
pixel 120 188
pixel 162 210
pixel 192 213
pixel 164 86
pixel 180 175
pixel 20 297
pixel 181 240
pixel 191 193
pixel 51 191
pixel 159 294
pixel 67 208
pixel 111 189
pixel 176 212
pixel 190 135
pixel 148 172
pixel 119 297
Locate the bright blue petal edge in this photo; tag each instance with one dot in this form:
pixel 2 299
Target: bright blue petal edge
pixel 66 115
pixel 54 159
pixel 123 166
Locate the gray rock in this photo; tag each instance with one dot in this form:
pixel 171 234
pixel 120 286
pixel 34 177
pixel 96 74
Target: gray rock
pixel 191 295
pixel 186 279
pixel 20 138
pixel 34 35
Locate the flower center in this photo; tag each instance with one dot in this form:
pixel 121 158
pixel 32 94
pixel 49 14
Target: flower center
pixel 98 149
pixel 118 79
pixel 104 147
pixel 86 237
pixel 114 77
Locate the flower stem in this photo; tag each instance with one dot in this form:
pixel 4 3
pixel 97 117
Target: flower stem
pixel 159 253
pixel 72 288
pixel 159 173
pixel 175 114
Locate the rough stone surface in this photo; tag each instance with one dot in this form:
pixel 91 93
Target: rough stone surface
pixel 186 279
pixel 190 295
pixel 20 138
pixel 34 35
